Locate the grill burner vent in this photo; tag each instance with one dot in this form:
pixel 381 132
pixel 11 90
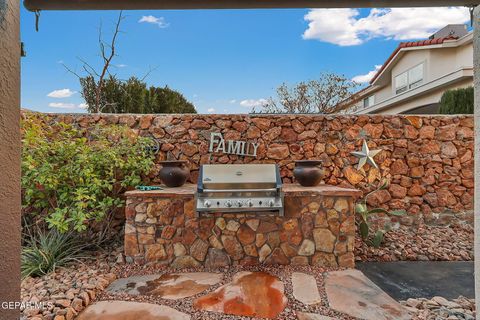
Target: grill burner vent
pixel 239 188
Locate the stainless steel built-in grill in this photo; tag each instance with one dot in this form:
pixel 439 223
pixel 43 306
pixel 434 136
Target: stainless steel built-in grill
pixel 239 188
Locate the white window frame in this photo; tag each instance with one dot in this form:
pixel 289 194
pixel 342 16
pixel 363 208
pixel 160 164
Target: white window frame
pixel 409 85
pixel 368 101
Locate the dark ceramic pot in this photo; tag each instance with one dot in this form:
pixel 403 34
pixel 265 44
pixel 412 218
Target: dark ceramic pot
pixel 308 172
pixel 174 173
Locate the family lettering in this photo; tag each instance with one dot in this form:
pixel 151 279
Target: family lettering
pixel 241 148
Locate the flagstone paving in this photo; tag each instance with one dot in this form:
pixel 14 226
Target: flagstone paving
pixel 351 292
pixel 279 293
pixel 305 288
pixel 167 286
pixel 256 294
pixel 126 310
pixel 311 316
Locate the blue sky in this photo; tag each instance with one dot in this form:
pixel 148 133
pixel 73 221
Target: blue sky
pixel 223 61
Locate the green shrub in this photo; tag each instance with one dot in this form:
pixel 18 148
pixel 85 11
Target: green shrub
pixel 458 101
pixel 71 177
pixel 46 250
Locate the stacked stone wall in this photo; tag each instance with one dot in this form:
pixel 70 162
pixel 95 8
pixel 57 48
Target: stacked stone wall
pixel 427 159
pixel 315 230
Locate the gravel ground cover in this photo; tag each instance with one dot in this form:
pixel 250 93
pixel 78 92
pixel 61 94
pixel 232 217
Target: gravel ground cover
pixel 441 308
pixel 67 291
pixel 185 305
pixel 427 243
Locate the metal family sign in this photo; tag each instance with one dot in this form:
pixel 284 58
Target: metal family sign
pixel 241 148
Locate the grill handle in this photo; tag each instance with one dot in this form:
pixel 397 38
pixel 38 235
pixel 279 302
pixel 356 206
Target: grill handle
pixel 240 190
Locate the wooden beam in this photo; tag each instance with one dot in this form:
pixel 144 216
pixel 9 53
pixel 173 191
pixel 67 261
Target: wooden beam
pixel 34 5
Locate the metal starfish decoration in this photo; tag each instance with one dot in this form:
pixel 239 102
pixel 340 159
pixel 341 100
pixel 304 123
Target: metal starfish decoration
pixel 365 156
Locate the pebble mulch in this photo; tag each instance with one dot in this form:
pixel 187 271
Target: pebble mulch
pixel 61 295
pixel 186 305
pixel 69 290
pixel 439 308
pixel 427 243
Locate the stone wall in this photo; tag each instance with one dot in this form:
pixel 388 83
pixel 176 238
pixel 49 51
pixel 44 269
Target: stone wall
pixel 427 159
pixel 318 228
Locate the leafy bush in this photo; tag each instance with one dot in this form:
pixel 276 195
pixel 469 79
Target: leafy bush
pixel 71 176
pixel 46 250
pixel 364 225
pixel 459 101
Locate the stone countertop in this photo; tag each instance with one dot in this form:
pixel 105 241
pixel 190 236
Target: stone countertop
pixel 289 189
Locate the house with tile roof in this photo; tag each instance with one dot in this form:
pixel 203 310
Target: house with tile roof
pixel 414 77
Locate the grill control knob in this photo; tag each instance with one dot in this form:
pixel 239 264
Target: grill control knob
pixel 207 203
pixel 228 203
pixel 250 203
pixel 271 203
pixel 239 203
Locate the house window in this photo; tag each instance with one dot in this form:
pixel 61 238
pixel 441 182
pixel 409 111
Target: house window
pixel 409 79
pixel 369 101
pixel 415 76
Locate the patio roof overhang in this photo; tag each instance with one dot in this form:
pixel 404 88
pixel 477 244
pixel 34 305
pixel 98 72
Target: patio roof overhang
pixel 34 5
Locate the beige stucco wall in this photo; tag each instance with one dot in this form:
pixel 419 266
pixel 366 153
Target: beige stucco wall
pixel 9 156
pixel 437 63
pixel 426 99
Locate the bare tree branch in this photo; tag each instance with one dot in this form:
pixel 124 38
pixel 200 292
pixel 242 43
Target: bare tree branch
pixel 150 70
pixel 71 71
pixel 315 96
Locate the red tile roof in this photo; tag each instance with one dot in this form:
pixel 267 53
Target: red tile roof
pixel 402 45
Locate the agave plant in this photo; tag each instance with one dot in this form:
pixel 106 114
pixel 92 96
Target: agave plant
pixel 364 225
pixel 44 251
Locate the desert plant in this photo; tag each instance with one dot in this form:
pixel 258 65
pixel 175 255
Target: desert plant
pixel 458 101
pixel 46 250
pixel 364 213
pixel 71 177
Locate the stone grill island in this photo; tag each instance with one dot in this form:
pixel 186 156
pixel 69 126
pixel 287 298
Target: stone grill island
pixel 317 228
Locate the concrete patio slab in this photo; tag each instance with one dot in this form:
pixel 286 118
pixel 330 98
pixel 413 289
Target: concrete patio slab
pixel 422 279
pixel 351 292
pixel 126 310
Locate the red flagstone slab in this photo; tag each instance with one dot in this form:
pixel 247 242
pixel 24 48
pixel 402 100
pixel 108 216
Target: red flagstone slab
pixel 253 294
pixel 126 310
pixel 351 292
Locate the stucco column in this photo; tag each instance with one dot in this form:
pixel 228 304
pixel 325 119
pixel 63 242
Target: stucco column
pixel 9 156
pixel 476 84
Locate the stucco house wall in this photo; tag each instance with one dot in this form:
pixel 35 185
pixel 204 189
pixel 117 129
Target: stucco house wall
pixel 445 68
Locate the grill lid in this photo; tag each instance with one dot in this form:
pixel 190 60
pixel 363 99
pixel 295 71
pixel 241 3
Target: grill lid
pixel 239 176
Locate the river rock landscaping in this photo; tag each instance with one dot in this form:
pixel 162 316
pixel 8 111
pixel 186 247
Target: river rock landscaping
pixel 441 308
pixel 108 286
pixel 427 243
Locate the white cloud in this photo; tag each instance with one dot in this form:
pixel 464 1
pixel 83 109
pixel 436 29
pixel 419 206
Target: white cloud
pixel 343 27
pixel 365 78
pixel 160 21
pixel 250 103
pixel 62 105
pixel 121 65
pixel 210 110
pixel 232 101
pixel 61 93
